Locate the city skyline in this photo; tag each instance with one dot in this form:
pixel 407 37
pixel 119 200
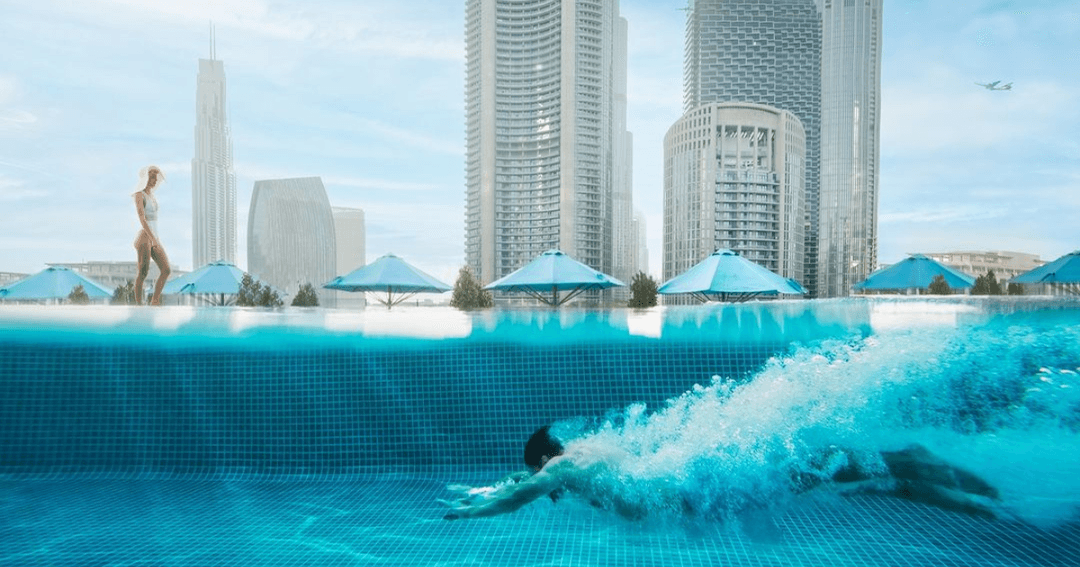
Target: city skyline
pixel 369 97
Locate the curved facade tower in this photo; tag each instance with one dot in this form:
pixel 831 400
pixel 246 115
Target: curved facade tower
pixel 764 52
pixel 291 238
pixel 734 177
pixel 213 181
pixel 543 141
pixel 850 136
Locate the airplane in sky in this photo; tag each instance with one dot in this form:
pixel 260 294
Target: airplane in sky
pixel 994 86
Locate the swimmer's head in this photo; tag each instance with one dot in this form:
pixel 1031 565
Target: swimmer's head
pixel 541 448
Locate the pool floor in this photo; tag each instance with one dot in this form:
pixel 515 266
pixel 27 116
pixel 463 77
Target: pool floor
pixel 395 520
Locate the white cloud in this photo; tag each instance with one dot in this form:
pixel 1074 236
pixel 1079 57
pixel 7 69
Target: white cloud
pixel 16 117
pixel 355 27
pixel 380 184
pixel 945 213
pixel 9 87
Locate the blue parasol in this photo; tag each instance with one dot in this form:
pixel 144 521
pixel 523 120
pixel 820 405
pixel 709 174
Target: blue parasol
pixel 219 278
pixel 914 272
pixel 727 276
pixel 54 282
pixel 552 272
pixel 1065 269
pixel 391 275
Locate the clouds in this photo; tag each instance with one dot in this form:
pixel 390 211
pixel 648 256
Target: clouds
pixel 966 168
pixel 369 96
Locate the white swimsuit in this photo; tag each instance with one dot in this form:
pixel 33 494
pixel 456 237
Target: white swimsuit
pixel 150 209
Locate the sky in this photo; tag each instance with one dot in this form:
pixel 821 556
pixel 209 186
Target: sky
pixel 369 95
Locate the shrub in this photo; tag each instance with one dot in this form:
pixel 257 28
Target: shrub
pixel 468 293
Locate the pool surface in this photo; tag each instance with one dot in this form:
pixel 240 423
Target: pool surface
pixel 240 437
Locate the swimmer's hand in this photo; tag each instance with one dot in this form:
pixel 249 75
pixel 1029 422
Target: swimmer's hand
pixel 470 497
pixel 507 495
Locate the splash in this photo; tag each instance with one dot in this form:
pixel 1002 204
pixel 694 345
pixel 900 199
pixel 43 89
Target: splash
pixel 1001 400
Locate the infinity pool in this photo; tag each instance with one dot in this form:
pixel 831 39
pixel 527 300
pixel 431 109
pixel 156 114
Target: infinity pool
pixel 179 436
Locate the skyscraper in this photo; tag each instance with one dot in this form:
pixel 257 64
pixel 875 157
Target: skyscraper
pixel 350 237
pixel 764 52
pixel 850 126
pixel 623 238
pixel 291 238
pixel 641 244
pixel 213 182
pixel 546 146
pixel 733 178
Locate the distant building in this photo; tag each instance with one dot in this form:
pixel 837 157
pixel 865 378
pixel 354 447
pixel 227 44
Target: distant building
pixel 769 53
pixel 641 244
pixel 547 153
pixel 291 238
pixel 734 177
pixel 1005 265
pixel 349 234
pixel 848 194
pixel 213 181
pixel 10 277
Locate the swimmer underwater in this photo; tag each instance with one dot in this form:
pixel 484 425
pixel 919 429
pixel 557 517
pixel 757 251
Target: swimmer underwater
pixel 913 474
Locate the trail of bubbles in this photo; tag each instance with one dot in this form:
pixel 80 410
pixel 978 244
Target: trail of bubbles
pixel 981 398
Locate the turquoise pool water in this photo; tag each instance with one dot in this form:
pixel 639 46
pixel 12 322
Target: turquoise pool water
pixel 177 436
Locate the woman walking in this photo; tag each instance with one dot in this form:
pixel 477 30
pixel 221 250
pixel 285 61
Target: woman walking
pixel 147 244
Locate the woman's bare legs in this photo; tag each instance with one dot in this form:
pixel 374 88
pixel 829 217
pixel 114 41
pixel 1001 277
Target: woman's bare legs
pixel 142 250
pixel 162 261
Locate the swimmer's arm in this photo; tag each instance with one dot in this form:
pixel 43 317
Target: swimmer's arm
pixel 507 499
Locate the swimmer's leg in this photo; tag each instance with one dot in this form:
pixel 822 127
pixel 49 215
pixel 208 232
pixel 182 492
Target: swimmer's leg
pixel 918 465
pixel 924 477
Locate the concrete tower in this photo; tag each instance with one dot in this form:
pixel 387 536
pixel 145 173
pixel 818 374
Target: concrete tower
pixel 763 52
pixel 213 182
pixel 733 178
pixel 350 235
pixel 850 135
pixel 547 149
pixel 291 238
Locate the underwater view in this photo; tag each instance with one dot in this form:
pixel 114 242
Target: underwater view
pixel 784 434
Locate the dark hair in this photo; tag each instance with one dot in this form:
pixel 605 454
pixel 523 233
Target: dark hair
pixel 541 445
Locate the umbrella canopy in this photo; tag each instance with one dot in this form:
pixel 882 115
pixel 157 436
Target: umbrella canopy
pixel 216 278
pixel 727 276
pixel 915 272
pixel 552 272
pixel 1065 269
pixel 54 282
pixel 391 275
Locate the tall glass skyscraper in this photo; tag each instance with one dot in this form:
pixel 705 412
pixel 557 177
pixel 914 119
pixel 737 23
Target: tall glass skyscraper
pixel 291 238
pixel 213 182
pixel 547 149
pixel 850 126
pixel 765 52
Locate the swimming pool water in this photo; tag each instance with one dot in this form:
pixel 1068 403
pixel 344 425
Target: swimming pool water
pixel 325 439
pixel 394 521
